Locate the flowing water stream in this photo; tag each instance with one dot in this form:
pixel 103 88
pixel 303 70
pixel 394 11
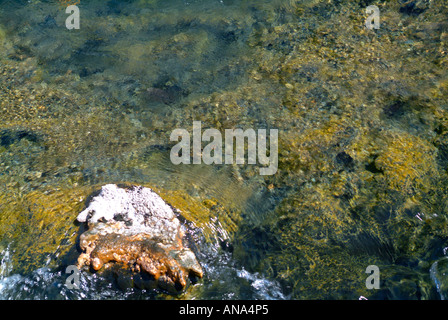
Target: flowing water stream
pixel 362 157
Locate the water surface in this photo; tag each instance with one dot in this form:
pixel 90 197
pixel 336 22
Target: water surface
pixel 362 127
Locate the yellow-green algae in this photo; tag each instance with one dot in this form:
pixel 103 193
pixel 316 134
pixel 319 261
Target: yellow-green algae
pixel 338 222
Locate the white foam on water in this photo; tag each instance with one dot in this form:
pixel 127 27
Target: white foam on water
pixel 5 262
pixel 435 277
pixel 6 282
pixel 263 289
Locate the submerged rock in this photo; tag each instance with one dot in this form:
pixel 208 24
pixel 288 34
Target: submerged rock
pixel 136 228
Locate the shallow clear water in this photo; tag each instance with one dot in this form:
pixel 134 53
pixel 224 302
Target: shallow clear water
pixel 362 127
pixel 123 49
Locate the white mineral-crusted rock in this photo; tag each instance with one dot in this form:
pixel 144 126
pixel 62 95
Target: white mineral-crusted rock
pixel 140 210
pixel 134 226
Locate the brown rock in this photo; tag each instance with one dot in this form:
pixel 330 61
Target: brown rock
pixel 135 228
